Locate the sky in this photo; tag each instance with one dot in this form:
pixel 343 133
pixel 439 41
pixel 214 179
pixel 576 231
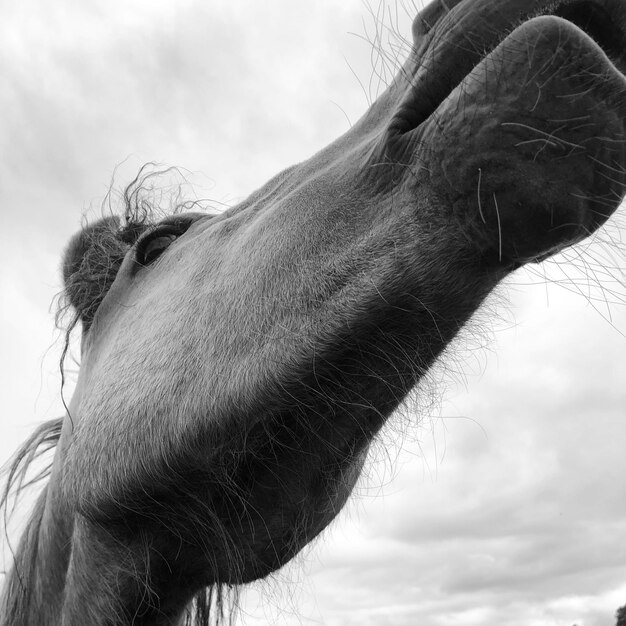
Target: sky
pixel 497 497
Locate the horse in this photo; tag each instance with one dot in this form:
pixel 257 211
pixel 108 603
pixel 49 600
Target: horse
pixel 235 368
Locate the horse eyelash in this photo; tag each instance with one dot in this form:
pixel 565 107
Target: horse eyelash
pixel 166 231
pixel 142 250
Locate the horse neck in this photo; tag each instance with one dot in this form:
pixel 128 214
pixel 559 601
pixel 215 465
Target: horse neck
pixel 69 572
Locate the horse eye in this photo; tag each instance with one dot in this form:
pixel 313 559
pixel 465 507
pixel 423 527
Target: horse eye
pixel 152 247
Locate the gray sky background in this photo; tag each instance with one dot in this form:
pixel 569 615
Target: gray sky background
pixel 508 504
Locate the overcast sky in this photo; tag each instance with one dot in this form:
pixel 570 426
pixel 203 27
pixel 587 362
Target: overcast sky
pixel 508 504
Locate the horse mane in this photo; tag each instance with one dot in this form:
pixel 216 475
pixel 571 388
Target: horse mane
pixel 19 587
pixel 91 262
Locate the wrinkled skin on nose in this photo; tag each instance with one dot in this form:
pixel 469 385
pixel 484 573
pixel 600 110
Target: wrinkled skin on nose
pixel 531 137
pixel 243 374
pixel 514 118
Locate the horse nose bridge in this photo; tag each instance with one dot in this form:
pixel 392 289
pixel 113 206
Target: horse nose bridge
pixel 362 164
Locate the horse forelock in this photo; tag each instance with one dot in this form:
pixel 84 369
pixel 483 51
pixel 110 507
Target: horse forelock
pixel 94 255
